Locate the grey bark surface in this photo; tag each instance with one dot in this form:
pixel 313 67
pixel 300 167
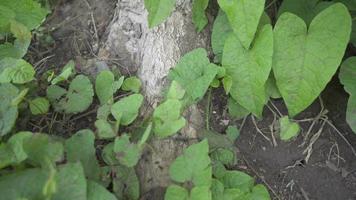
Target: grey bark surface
pixel 152 52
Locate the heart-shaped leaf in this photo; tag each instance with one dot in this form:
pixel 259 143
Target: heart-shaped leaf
pixel 126 109
pixel 304 58
pixel 288 129
pixel 198 14
pixel 244 17
pixel 249 69
pixel 15 71
pixel 348 79
pixel 39 105
pixel 158 10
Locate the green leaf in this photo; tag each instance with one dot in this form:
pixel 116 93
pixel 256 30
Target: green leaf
pixel 6 16
pixel 158 10
pixel 221 30
pixel 244 17
pixel 175 192
pixel 126 109
pixel 27 12
pixel 109 155
pixel 236 110
pixel 194 73
pixel 223 155
pixel 29 184
pixel 80 148
pixel 347 78
pixel 8 111
pixel 105 129
pixel 351 4
pixel 66 72
pixel 305 9
pixel 200 193
pixel 167 118
pixel 145 135
pixel 126 184
pixel 196 164
pixel 233 194
pixel 217 190
pixel 71 183
pixel 288 129
pixel 97 192
pixel 15 71
pixel 232 133
pixel 132 84
pixel 198 14
pixel 126 152
pixel 12 153
pixel 104 86
pixel 259 192
pixel 39 105
pixel 77 99
pixel 249 69
pixel 23 37
pixel 227 83
pixel 175 91
pixel 238 180
pixel 41 148
pixel 313 54
pixel 271 87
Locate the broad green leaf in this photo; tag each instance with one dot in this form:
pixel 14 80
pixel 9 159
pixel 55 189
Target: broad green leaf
pixel 223 155
pixel 238 180
pixel 77 99
pixel 198 14
pixel 66 72
pixel 217 190
pixel 109 155
pixel 104 86
pixel 194 73
pixel 97 192
pixel 12 153
pixel 6 16
pixel 9 50
pixel 41 148
pixel 200 193
pixel 27 183
pixel 305 9
pixel 27 12
pixel 8 111
pixel 347 78
pixel 71 183
pixel 221 30
pixel 217 140
pixel 313 54
pixel 175 192
pixel 249 69
pixel 126 109
pixel 104 129
pixel 132 84
pixel 23 37
pixel 219 169
pixel 79 96
pixel 244 17
pixel 234 194
pixel 271 87
pixel 167 118
pixel 259 192
pixel 80 148
pixel 158 10
pixel 232 133
pixel 15 71
pixel 227 83
pixel 351 4
pixel 288 129
pixel 126 185
pixel 126 152
pixel 39 105
pixel 175 91
pixel 196 164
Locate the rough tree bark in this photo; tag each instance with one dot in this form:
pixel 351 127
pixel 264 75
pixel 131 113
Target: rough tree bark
pixel 153 52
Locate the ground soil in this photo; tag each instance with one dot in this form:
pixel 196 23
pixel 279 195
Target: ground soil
pixel 330 172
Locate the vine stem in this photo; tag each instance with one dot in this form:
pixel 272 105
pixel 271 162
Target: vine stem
pixel 207 111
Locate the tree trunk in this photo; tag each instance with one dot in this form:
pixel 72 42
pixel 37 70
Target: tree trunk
pixel 152 52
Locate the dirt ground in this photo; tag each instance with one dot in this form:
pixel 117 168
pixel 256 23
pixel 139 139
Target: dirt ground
pixel 328 173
